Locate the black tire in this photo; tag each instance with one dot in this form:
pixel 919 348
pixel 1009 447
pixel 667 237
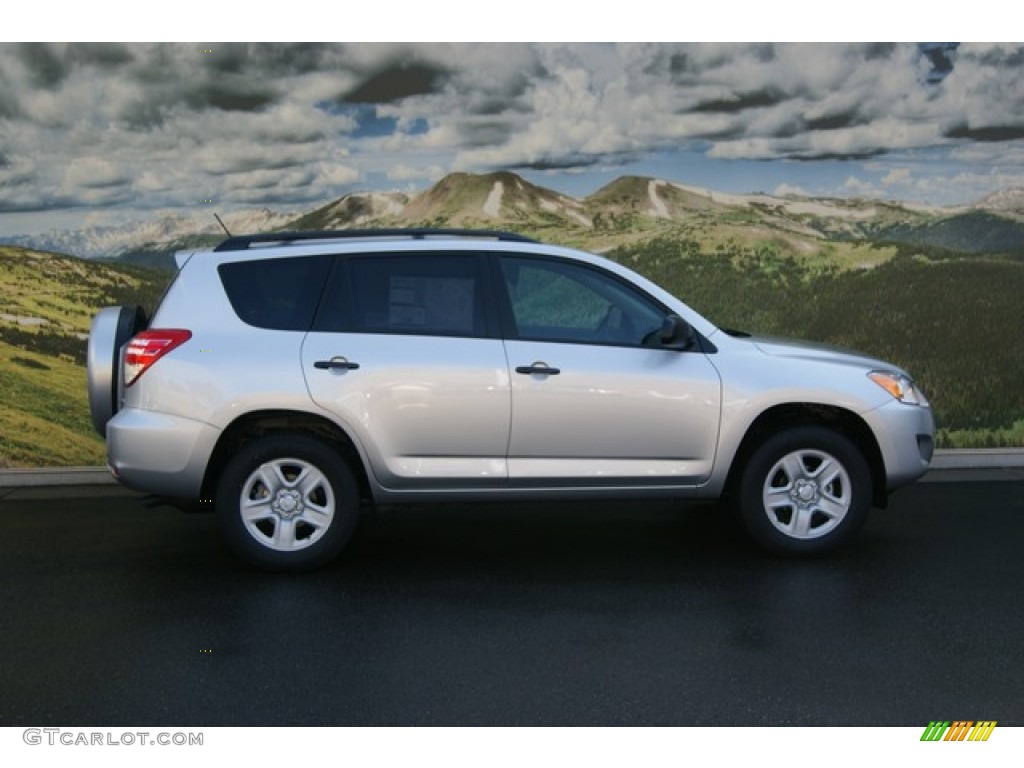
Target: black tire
pixel 805 491
pixel 304 498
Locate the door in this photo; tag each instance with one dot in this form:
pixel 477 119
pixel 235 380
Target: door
pixel 404 352
pixel 596 399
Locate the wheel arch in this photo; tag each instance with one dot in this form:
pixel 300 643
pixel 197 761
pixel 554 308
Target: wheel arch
pixel 785 416
pixel 257 424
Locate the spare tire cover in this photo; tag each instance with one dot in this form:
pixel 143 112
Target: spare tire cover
pixel 111 329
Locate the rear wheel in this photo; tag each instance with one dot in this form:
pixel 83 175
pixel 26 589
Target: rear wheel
pixel 287 502
pixel 805 491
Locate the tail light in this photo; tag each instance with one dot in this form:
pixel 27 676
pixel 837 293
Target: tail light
pixel 147 347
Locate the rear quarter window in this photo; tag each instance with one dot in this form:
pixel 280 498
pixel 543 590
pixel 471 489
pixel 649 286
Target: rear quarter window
pixel 278 294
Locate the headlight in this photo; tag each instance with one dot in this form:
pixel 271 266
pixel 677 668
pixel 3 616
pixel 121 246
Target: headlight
pixel 899 386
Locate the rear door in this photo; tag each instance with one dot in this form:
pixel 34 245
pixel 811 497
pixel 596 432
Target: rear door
pixel 595 399
pixel 406 354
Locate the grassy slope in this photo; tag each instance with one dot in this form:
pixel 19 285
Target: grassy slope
pixel 44 412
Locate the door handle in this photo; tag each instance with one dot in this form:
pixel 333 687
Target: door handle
pixel 542 368
pixel 335 364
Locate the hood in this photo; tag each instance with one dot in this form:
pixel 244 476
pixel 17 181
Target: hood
pixel 811 350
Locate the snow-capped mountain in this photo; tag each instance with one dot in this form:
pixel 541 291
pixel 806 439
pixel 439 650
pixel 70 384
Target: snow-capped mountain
pixel 359 209
pixel 1004 201
pixel 110 242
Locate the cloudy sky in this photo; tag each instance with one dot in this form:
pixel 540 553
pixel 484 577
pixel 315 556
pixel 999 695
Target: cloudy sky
pixel 101 133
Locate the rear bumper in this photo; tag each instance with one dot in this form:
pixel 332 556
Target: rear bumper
pixel 158 453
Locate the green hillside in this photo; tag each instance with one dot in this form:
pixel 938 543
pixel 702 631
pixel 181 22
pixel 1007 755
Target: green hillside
pixel 973 232
pixel 47 302
pixel 44 416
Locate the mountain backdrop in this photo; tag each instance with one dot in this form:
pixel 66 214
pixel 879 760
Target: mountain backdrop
pixel 937 290
pixel 629 209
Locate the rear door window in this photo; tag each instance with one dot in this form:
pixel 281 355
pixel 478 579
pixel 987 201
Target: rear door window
pixel 431 294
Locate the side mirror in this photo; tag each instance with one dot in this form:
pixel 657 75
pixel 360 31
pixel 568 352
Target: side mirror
pixel 676 333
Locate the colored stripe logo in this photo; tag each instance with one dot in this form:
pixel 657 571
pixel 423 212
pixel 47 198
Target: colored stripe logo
pixel 959 730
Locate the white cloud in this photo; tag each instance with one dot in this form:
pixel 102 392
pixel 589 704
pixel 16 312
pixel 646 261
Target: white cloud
pixel 267 179
pixel 897 177
pixel 150 181
pixel 402 172
pixel 857 187
pixel 84 125
pixel 336 174
pixel 92 172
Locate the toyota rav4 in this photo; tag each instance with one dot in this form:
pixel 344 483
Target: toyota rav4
pixel 286 379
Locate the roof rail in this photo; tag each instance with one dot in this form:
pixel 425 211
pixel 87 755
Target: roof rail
pixel 242 242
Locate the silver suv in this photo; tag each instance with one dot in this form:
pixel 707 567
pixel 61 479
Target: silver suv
pixel 285 379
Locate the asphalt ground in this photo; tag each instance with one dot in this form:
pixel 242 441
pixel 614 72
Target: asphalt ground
pixel 115 613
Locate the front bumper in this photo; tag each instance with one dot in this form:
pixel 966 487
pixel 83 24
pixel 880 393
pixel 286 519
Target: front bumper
pixel 906 439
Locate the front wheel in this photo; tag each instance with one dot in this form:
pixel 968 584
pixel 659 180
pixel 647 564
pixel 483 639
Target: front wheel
pixel 287 502
pixel 805 491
